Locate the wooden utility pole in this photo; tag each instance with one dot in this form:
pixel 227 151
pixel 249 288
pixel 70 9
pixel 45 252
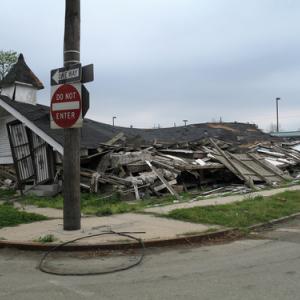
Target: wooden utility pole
pixel 71 161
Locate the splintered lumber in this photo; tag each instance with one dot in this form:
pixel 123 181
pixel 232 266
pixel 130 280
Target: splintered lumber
pixel 85 159
pixel 120 159
pixel 6 173
pixel 247 166
pixel 106 178
pixel 163 180
pixel 268 152
pixel 112 141
pixel 118 180
pixel 291 152
pixel 147 177
pixel 104 163
pixel 207 166
pixel 85 186
pixel 136 191
pixel 137 167
pixel 179 152
pixel 219 189
pixel 232 166
pixel 163 186
pixel 165 166
pixel 269 167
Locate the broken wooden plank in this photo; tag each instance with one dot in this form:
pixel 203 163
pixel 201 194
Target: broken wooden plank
pixel 115 139
pixel 126 158
pixel 162 186
pixel 232 166
pixel 7 174
pixel 104 163
pixel 269 167
pixel 208 166
pixel 165 166
pixel 163 180
pixel 247 166
pixel 136 191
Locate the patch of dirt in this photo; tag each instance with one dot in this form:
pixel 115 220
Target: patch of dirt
pixel 221 126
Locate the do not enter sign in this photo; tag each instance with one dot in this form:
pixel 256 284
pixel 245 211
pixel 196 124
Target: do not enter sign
pixel 66 108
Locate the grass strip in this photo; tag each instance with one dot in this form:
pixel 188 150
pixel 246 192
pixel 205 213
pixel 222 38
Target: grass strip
pixel 10 216
pixel 93 204
pixel 243 214
pixel 6 195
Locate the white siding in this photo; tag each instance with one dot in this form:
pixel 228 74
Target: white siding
pixel 5 152
pixel 26 94
pixel 8 91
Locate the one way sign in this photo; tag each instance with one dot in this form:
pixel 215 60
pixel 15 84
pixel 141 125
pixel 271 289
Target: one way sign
pixel 66 75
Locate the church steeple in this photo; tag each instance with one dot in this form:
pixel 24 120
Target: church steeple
pixel 20 83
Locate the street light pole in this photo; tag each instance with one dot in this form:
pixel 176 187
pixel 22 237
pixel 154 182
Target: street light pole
pixel 277 120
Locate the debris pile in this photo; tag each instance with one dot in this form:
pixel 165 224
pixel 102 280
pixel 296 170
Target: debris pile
pixel 204 159
pixel 207 166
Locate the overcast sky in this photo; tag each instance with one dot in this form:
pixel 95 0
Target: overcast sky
pixel 162 61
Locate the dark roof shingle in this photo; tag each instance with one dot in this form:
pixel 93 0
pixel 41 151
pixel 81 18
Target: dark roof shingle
pixel 22 73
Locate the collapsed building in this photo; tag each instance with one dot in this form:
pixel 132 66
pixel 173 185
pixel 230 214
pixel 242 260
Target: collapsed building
pixel 208 157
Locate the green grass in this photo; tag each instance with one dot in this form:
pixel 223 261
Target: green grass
pixel 49 238
pixel 10 216
pixel 243 214
pixel 6 195
pixel 93 204
pixel 52 202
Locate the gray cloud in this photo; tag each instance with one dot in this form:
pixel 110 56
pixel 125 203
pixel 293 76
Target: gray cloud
pixel 161 61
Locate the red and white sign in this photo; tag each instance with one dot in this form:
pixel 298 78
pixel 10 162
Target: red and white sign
pixel 66 107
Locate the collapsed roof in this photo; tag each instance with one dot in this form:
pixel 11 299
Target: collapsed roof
pixel 94 133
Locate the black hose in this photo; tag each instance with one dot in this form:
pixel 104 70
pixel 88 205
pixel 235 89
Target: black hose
pixel 42 268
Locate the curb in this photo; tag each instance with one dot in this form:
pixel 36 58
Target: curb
pixel 220 235
pixel 273 222
pixel 217 236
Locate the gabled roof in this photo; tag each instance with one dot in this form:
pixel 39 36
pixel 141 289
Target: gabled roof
pixel 38 117
pixel 20 72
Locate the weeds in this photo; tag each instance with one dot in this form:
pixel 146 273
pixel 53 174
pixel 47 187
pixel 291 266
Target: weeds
pixel 49 238
pixel 243 214
pixel 10 216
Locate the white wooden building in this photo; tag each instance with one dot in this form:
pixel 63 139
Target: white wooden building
pixel 20 85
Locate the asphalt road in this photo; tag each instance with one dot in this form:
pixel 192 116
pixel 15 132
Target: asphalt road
pixel 265 267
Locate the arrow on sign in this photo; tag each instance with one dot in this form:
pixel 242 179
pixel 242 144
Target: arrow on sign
pixel 66 75
pixel 55 76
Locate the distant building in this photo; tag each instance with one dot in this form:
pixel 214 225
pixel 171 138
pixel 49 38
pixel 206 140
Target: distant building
pixel 286 134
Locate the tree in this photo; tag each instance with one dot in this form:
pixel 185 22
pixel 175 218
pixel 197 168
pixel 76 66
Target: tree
pixel 7 59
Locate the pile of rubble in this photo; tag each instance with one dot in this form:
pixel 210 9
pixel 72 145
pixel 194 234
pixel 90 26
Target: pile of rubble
pixel 8 178
pixel 137 169
pixel 206 166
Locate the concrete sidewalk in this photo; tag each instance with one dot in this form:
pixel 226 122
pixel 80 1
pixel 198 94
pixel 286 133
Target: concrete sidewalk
pixel 218 201
pixel 156 229
pixel 153 228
